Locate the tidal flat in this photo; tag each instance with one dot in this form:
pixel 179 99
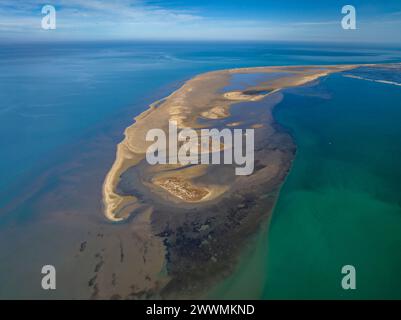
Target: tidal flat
pixel 159 245
pixel 204 235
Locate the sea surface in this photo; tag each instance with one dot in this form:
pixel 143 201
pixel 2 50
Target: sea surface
pixel 340 204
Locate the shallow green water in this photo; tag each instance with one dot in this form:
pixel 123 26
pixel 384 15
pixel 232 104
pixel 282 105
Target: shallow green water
pixel 341 203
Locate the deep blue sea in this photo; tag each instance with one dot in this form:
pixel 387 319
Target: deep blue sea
pixel 52 93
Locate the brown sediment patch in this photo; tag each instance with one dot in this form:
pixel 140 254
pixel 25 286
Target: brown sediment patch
pixel 182 184
pixel 234 124
pixel 241 96
pixel 182 189
pixel 141 259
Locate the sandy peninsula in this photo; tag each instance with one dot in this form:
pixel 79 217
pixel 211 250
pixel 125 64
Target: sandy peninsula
pixel 198 98
pixel 204 213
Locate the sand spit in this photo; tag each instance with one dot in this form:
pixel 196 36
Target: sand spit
pixel 196 98
pixel 202 214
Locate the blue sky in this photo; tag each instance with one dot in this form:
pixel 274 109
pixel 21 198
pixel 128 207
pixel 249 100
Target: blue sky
pixel 286 20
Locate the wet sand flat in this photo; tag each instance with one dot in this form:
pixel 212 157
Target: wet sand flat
pixel 202 234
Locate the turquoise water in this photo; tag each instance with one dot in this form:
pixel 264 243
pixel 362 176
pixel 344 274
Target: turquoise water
pixel 240 81
pixel 341 203
pixel 53 96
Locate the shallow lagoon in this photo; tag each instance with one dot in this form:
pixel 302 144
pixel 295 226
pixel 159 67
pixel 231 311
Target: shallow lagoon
pixel 240 81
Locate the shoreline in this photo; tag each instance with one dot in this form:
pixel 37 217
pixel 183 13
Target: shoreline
pixel 207 232
pixel 163 246
pixel 129 153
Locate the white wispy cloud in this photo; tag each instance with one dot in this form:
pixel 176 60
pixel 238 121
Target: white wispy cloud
pixel 142 19
pixel 96 13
